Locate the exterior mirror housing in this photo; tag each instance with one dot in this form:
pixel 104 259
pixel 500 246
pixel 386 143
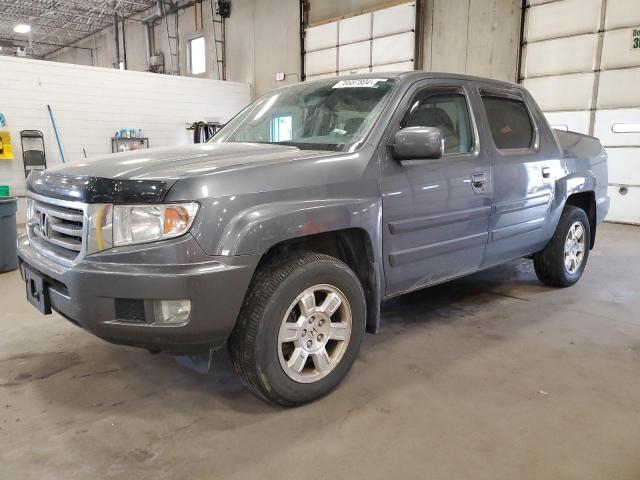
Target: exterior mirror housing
pixel 418 143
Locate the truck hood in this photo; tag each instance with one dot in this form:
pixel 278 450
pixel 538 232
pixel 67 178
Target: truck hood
pixel 171 163
pixel 147 175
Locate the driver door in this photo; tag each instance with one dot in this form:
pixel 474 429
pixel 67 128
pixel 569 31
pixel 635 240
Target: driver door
pixel 435 212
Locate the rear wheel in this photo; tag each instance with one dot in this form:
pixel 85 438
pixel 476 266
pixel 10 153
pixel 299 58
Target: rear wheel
pixel 300 328
pixel 564 258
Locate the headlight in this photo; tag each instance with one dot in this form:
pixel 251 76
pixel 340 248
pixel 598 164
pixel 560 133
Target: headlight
pixel 118 225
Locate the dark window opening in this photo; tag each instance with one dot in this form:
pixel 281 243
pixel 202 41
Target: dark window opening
pixel 509 121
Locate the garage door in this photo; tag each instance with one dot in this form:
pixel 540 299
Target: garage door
pixel 581 61
pixel 380 40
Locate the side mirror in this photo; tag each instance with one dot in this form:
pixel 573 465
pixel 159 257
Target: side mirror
pixel 418 143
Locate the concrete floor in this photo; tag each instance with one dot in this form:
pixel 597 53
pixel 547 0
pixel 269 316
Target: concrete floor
pixel 490 377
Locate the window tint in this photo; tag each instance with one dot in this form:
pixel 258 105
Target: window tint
pixel 509 122
pixel 448 112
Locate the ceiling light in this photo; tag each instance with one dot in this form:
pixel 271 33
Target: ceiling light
pixel 22 28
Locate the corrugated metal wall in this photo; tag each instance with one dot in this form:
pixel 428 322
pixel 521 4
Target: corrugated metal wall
pixel 581 61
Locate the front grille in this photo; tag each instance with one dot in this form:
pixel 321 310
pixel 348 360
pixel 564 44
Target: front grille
pixel 56 227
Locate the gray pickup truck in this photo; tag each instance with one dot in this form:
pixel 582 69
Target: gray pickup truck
pixel 282 235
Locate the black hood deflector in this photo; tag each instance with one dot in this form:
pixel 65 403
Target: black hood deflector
pixel 89 189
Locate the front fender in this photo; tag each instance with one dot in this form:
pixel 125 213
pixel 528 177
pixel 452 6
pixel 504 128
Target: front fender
pixel 257 229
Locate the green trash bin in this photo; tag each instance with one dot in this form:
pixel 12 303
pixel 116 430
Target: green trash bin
pixel 8 234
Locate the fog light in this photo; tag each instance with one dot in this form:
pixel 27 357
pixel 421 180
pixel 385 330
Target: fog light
pixel 172 312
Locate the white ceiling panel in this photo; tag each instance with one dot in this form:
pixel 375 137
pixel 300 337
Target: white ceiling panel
pixel 355 29
pixel 626 122
pixel 398 19
pixel 563 55
pixel 624 165
pixel 622 13
pixel 320 76
pixel 563 18
pixel 354 55
pixel 563 92
pixel 624 207
pixel 353 71
pixel 393 49
pixel 321 37
pixel 321 61
pixel 393 67
pixel 618 51
pixel 619 88
pixel 573 121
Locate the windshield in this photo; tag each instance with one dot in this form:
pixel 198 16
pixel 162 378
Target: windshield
pixel 333 115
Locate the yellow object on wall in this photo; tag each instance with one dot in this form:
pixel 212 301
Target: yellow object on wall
pixel 6 149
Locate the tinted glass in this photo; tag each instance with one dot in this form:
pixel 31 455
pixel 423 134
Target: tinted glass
pixel 331 115
pixel 448 112
pixel 509 122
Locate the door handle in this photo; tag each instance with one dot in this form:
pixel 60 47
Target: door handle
pixel 546 172
pixel 478 181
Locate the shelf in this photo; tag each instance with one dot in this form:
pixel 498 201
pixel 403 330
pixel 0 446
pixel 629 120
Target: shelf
pixel 141 139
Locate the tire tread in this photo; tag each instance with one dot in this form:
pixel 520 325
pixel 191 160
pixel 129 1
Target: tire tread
pixel 243 345
pixel 549 263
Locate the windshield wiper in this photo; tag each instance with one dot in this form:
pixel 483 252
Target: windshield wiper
pixel 333 147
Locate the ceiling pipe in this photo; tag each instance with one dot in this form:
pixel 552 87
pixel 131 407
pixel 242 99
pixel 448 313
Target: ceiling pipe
pixel 117 37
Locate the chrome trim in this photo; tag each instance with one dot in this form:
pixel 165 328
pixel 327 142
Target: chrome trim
pixel 58 202
pixel 69 245
pixel 67 229
pixel 56 248
pixel 54 212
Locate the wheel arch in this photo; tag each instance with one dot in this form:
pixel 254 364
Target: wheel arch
pixel 586 200
pixel 354 247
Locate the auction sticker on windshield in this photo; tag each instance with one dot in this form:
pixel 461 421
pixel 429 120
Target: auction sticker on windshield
pixel 359 83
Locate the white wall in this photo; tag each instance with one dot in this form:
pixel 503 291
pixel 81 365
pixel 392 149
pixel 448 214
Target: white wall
pixel 91 103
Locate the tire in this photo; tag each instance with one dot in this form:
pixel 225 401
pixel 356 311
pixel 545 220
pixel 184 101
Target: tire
pixel 551 263
pixel 278 325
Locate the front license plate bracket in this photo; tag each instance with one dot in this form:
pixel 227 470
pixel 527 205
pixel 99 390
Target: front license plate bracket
pixel 37 291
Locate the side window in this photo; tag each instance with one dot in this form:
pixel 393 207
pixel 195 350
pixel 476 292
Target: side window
pixel 447 111
pixel 509 121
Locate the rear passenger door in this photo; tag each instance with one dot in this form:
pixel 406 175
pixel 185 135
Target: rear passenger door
pixel 435 212
pixel 522 172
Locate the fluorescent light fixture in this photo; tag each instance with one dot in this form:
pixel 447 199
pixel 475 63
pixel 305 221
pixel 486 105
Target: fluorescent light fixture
pixel 22 28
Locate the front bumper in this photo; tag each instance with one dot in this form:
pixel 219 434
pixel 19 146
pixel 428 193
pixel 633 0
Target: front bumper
pixel 87 292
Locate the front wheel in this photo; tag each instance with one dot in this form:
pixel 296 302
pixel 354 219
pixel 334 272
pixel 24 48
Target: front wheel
pixel 300 328
pixel 564 258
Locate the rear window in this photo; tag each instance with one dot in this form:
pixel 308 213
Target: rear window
pixel 509 121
